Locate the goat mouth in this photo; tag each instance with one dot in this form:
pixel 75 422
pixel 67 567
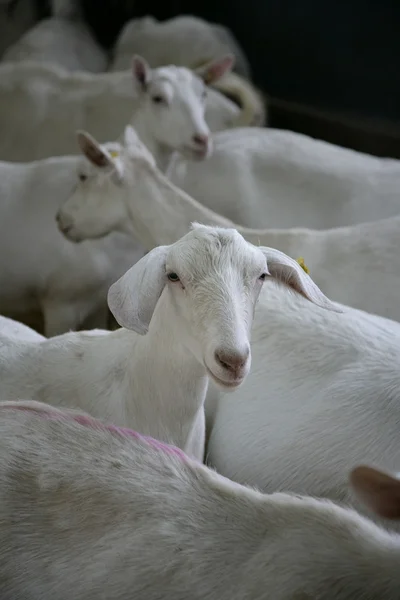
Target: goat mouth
pixel 70 234
pixel 231 385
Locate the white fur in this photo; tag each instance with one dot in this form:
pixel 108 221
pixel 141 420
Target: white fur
pixel 185 41
pixel 42 105
pixel 15 330
pixel 273 178
pixel 324 388
pixel 323 394
pixel 200 328
pixel 42 273
pixel 59 41
pixel 357 265
pixel 89 513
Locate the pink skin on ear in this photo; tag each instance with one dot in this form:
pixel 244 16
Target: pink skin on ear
pixel 218 68
pixel 140 70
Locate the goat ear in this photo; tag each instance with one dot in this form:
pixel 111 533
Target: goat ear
pixel 92 150
pixel 287 270
pixel 378 490
pixel 133 298
pixel 131 138
pixel 141 71
pixel 214 70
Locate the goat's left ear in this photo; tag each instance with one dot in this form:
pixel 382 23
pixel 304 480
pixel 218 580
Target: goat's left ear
pixel 92 150
pixel 133 298
pixel 214 70
pixel 285 269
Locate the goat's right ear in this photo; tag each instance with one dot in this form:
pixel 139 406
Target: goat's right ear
pixel 141 71
pixel 215 69
pixel 378 490
pixel 133 298
pixel 92 150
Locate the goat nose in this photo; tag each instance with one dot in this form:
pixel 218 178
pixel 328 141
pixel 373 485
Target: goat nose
pixel 200 139
pixel 231 360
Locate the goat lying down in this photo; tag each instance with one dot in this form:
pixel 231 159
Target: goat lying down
pixel 93 511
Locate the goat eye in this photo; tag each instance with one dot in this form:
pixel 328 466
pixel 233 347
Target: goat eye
pixel 204 94
pixel 82 177
pixel 173 277
pixel 158 99
pixel 263 277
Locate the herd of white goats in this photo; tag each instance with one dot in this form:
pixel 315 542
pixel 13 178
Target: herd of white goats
pixel 88 508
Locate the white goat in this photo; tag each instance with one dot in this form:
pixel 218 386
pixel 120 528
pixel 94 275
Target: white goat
pixel 16 330
pixel 90 510
pixel 63 42
pixel 343 261
pixel 183 41
pixel 274 178
pixel 191 42
pixel 41 273
pixel 202 290
pixel 324 387
pixel 43 104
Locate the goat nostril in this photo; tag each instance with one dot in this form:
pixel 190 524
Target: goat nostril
pixel 231 361
pixel 200 140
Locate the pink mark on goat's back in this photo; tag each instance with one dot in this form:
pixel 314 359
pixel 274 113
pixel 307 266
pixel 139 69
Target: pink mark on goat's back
pixel 88 421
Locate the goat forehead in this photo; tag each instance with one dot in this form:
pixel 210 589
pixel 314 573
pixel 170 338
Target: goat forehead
pixel 203 252
pixel 178 77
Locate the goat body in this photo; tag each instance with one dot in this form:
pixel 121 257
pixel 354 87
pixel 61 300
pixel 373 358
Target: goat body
pixel 125 517
pixel 274 178
pixel 41 271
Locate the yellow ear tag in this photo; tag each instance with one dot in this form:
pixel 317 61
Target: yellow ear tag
pixel 114 154
pixel 303 265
